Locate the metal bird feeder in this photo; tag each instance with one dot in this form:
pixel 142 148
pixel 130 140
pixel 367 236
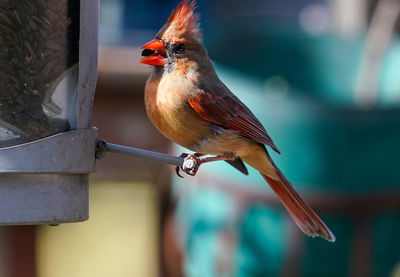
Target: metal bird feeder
pixel 48 74
pixel 48 71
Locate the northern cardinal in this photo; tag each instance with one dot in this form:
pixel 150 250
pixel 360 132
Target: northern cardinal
pixel 189 105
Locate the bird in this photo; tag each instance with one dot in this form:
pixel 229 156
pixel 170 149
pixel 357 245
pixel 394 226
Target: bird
pixel 191 106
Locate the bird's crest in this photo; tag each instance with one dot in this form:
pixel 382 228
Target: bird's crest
pixel 182 22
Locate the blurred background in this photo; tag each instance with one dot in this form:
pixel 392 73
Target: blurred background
pixel 324 78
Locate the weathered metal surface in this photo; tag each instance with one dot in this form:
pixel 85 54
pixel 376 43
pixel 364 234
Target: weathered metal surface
pixel 88 63
pixel 66 153
pixel 48 88
pixel 43 198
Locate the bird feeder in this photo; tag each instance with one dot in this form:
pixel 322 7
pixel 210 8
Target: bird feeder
pixel 48 71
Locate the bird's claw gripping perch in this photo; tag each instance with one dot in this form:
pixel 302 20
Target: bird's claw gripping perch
pixel 190 166
pixel 192 162
pixel 178 168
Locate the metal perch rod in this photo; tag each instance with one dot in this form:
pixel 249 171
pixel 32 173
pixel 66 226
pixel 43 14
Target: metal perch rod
pixel 102 146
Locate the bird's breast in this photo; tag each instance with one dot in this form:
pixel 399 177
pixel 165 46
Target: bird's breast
pixel 168 109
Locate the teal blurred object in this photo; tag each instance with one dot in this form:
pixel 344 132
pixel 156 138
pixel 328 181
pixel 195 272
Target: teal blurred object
pixel 342 159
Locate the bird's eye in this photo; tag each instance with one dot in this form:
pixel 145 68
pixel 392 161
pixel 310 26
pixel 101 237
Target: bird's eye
pixel 179 48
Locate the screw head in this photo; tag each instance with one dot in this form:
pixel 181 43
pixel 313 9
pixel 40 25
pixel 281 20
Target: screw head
pixel 189 164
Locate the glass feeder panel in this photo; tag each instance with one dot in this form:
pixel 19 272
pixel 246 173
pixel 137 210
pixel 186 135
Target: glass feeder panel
pixel 39 53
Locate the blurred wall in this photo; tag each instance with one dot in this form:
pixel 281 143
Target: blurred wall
pixel 4 258
pixel 120 239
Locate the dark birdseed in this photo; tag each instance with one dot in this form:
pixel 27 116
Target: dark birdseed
pixel 39 41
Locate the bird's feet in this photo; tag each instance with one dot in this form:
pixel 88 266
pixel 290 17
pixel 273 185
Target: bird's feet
pixel 192 162
pixel 178 168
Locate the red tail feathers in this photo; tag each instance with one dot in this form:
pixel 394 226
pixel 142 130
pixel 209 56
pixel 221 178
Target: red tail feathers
pixel 303 215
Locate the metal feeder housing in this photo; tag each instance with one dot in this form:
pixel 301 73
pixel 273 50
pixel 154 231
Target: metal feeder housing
pixel 48 72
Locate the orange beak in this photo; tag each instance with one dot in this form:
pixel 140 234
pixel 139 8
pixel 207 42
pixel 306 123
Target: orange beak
pixel 154 53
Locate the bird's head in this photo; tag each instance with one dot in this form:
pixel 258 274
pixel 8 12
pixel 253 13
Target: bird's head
pixel 178 39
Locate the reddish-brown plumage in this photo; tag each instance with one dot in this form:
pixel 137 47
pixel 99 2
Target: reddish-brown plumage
pixel 181 24
pixel 188 103
pixel 230 113
pixel 183 15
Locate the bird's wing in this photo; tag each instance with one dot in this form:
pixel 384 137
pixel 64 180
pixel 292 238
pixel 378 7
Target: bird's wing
pixel 230 113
